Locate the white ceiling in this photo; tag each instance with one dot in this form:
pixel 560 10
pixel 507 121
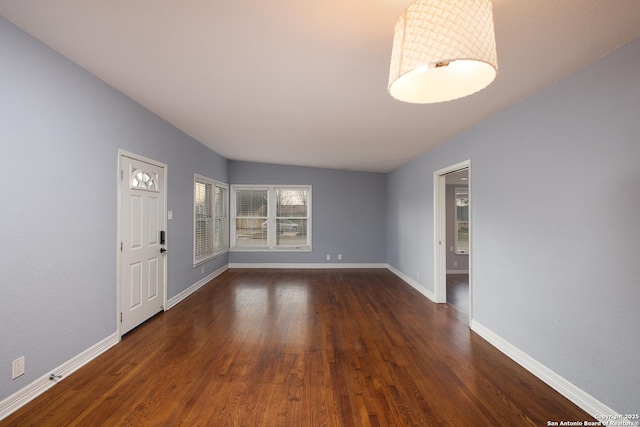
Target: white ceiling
pixel 457 178
pixel 304 82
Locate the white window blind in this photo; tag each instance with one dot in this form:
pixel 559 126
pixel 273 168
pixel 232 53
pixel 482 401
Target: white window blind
pixel 210 219
pixel 271 217
pixel 251 209
pixel 221 232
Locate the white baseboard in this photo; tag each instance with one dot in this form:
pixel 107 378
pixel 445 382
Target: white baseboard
pixel 575 394
pixel 417 286
pixel 318 265
pixel 457 271
pixel 42 384
pixel 171 302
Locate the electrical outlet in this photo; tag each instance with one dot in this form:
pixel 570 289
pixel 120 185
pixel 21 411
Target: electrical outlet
pixel 328 257
pixel 450 248
pixel 17 368
pixel 201 270
pixel 339 257
pixel 455 263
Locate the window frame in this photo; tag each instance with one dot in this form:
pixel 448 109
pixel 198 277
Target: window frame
pixel 459 192
pixel 225 215
pixel 213 253
pixel 271 219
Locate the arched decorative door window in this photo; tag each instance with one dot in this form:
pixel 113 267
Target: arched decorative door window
pixel 143 180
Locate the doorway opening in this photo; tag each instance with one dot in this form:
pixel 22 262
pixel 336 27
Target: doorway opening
pixel 452 205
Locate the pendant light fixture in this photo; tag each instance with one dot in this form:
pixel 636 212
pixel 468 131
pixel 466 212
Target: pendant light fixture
pixel 443 50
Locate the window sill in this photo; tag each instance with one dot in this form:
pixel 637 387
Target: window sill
pixel 284 249
pixel 204 261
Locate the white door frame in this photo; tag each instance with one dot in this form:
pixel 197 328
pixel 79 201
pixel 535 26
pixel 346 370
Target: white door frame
pixel 125 153
pixel 440 233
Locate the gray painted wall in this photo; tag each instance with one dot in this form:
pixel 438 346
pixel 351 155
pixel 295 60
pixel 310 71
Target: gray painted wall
pixel 565 291
pixel 349 210
pixel 555 268
pixel 59 137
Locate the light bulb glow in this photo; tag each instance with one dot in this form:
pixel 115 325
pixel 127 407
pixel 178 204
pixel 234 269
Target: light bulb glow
pixel 455 38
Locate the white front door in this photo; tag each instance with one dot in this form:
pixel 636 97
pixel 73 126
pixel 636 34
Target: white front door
pixel 142 252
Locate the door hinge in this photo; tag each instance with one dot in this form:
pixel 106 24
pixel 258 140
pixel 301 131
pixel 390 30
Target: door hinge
pixel 120 317
pixel 120 246
pixel 121 175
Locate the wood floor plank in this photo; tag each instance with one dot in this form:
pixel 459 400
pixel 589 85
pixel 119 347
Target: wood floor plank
pixel 301 348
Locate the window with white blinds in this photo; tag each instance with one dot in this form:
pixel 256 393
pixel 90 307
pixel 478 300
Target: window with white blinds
pixel 221 209
pixel 251 210
pixel 462 221
pixel 271 217
pixel 210 219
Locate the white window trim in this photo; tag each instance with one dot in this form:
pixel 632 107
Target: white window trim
pixel 226 187
pixel 197 178
pixel 459 191
pixel 271 218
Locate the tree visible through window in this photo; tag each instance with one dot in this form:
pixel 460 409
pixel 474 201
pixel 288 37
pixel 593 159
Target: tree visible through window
pixel 271 217
pixel 462 221
pixel 251 217
pixel 291 216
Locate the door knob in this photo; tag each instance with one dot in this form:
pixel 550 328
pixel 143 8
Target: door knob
pixel 162 250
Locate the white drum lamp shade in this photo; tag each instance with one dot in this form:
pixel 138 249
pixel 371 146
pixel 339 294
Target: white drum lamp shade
pixel 443 50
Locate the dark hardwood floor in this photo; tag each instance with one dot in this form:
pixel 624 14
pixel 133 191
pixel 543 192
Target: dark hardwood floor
pixel 301 348
pixel 458 291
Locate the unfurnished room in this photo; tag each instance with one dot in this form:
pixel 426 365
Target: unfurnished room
pixel 336 213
